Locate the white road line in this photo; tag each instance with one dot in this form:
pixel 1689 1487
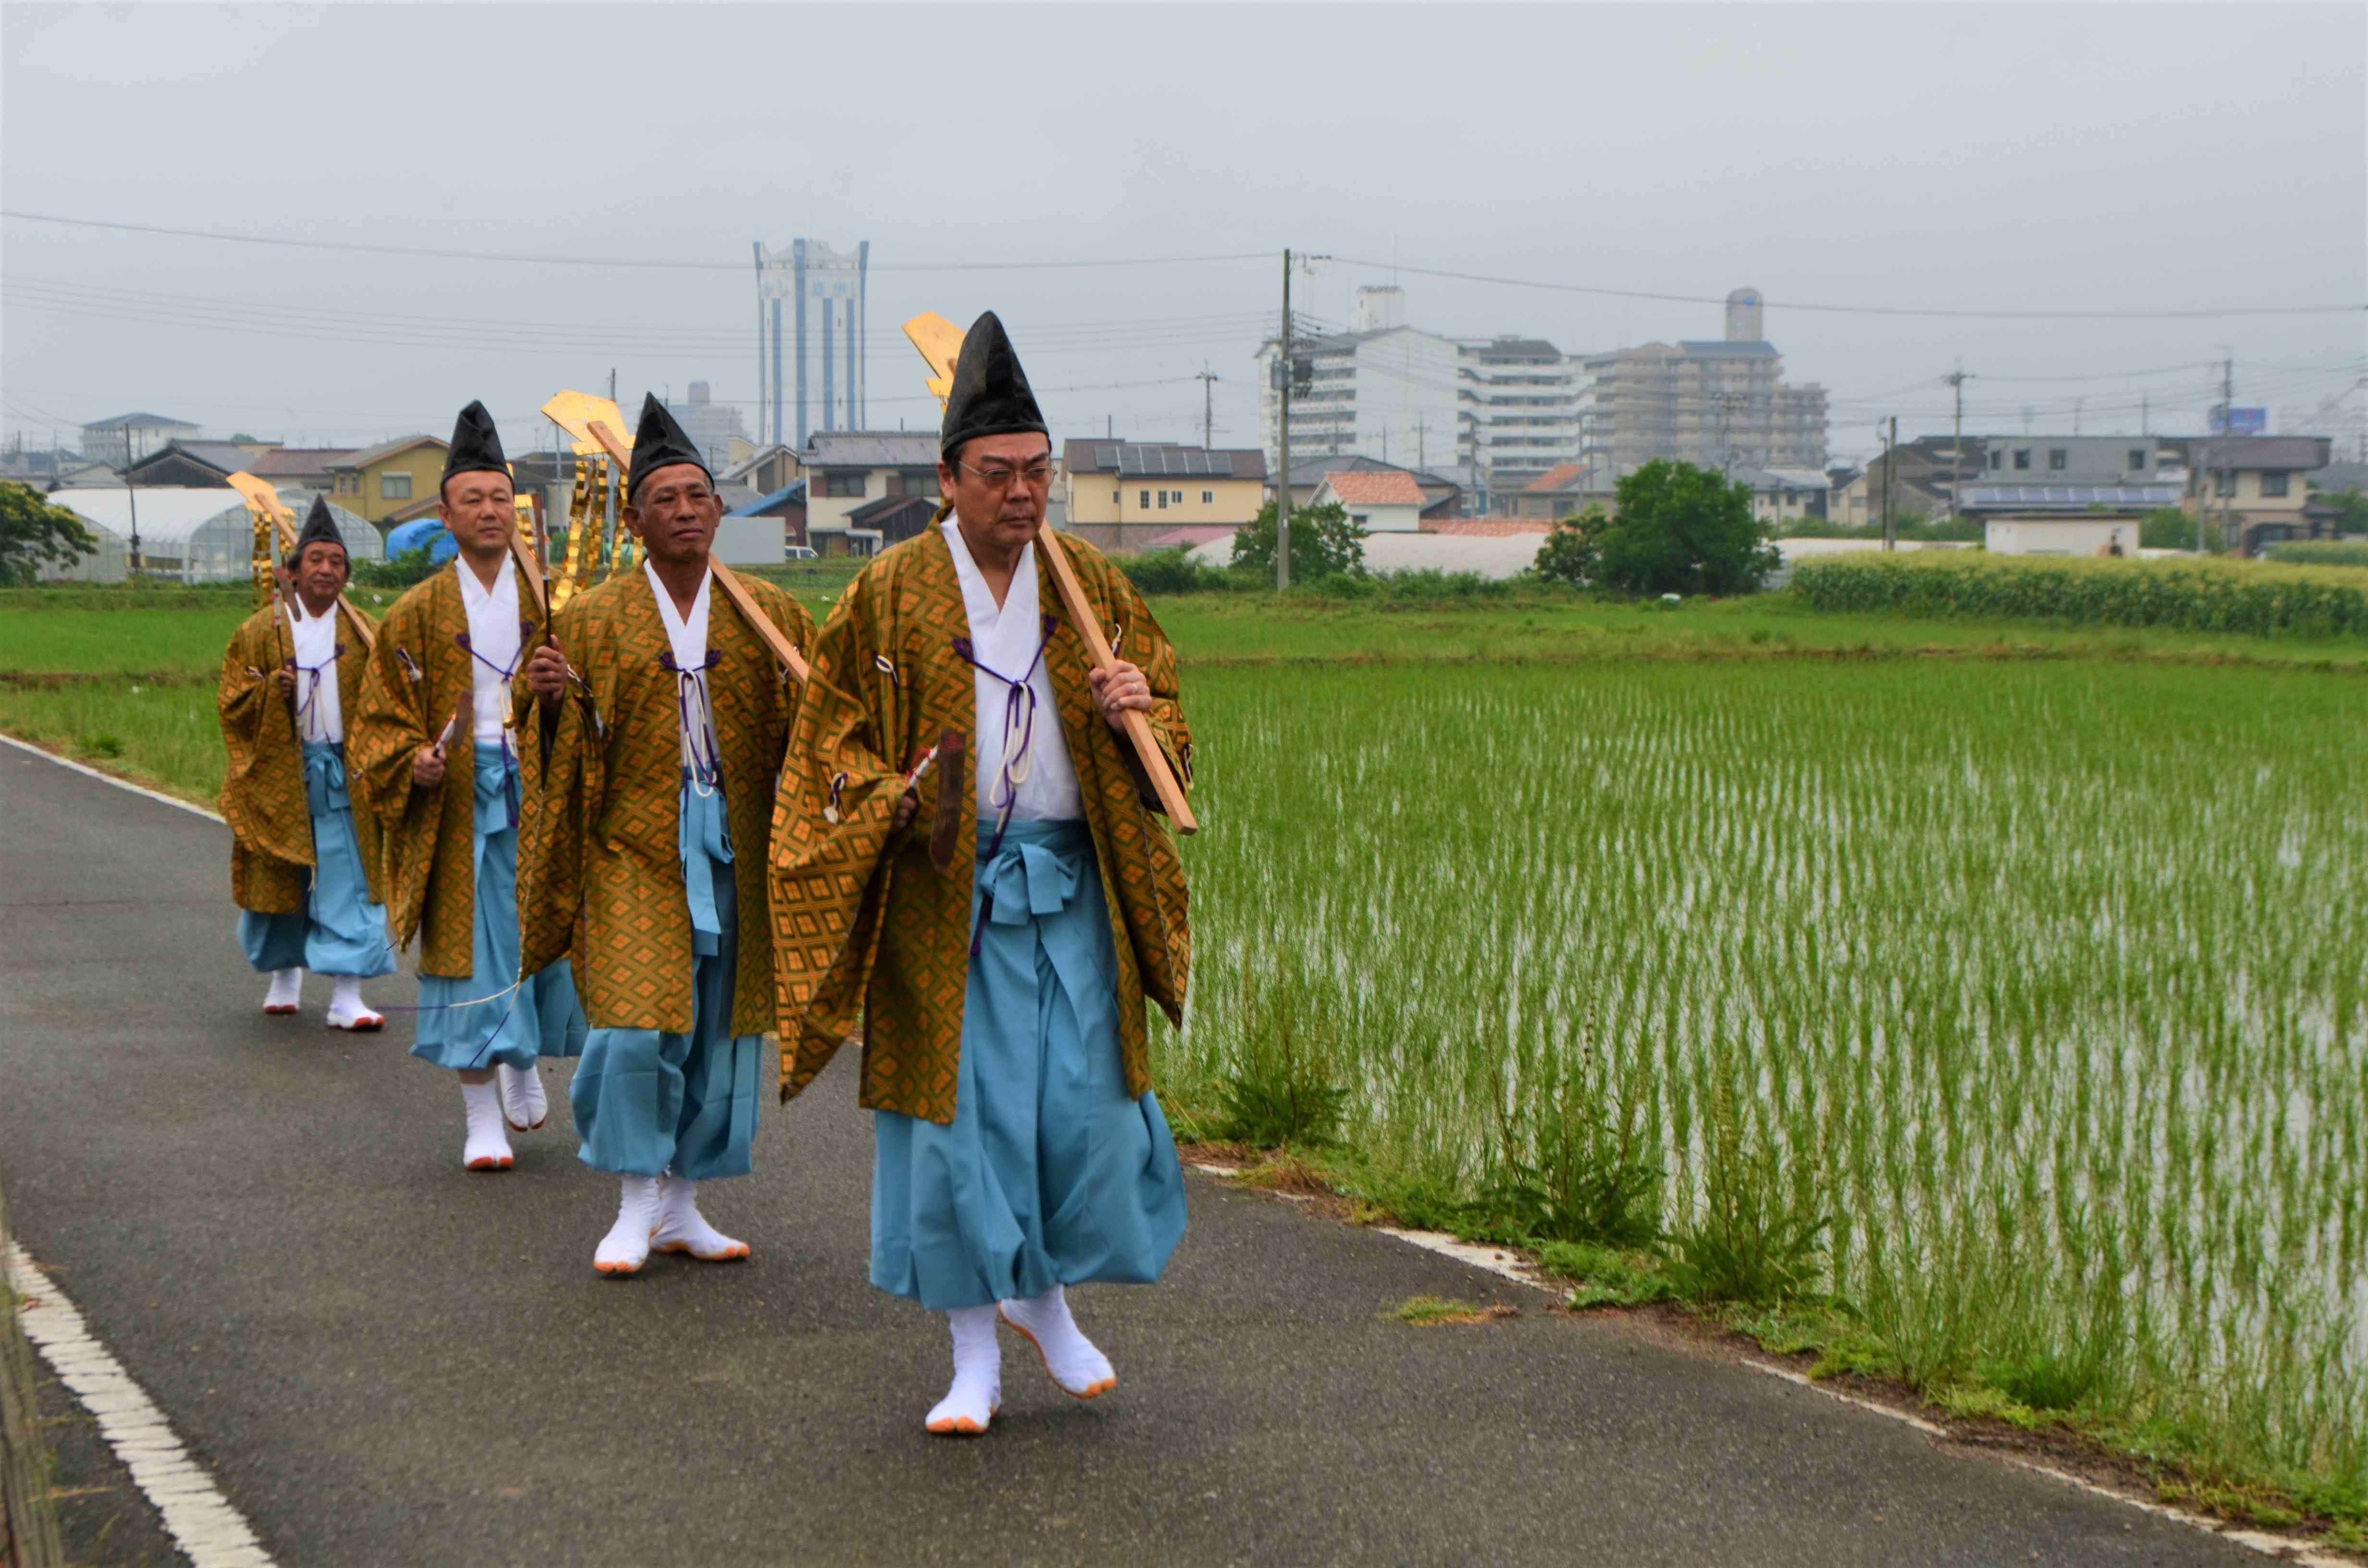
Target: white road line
pixel 2283 1548
pixel 108 777
pixel 209 1532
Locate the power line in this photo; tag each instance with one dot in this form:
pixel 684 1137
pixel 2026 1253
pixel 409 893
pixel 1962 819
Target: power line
pixel 686 263
pixel 662 263
pixel 1864 309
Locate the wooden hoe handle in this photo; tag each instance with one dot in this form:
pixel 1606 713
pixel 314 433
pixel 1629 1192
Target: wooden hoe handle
pixel 1098 648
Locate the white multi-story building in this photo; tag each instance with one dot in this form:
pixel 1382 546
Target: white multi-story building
pixel 1508 407
pixel 1519 400
pixel 1382 389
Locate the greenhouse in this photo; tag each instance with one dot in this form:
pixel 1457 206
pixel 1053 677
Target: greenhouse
pixel 189 536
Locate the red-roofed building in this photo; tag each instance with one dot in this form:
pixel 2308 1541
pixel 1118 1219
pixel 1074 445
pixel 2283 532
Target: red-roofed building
pixel 1561 492
pixel 1384 502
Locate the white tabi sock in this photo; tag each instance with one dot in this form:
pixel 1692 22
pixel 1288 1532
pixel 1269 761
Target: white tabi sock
pixel 682 1228
pixel 522 1098
pixel 1076 1367
pixel 627 1246
pixel 488 1148
pixel 977 1390
pixel 346 1009
pixel 287 991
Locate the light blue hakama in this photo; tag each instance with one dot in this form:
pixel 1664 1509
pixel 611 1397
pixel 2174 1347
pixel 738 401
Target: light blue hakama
pixel 1048 1172
pixel 483 1020
pixel 339 930
pixel 647 1100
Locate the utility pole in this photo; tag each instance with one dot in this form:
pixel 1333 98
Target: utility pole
pixel 1208 381
pixel 1956 380
pixel 1889 434
pixel 2227 423
pixel 612 383
pixel 1282 441
pixel 131 499
pixel 1420 425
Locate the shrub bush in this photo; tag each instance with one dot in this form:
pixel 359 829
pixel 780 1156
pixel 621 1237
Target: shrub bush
pixel 394 572
pixel 1171 571
pixel 2252 597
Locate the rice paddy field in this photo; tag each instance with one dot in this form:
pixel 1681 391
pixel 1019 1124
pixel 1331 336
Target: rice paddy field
pixel 2013 973
pixel 2042 982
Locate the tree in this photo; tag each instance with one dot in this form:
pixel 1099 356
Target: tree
pixel 1682 530
pixel 2351 507
pixel 2169 528
pixel 34 534
pixel 1323 541
pixel 1572 552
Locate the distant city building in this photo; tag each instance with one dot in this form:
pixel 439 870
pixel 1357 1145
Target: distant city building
pixel 311 467
pixel 1442 497
pixel 2259 483
pixel 1127 495
pixel 845 469
pixel 2069 460
pixel 128 438
pixel 1783 498
pixel 183 463
pixel 1507 406
pixel 1564 490
pixel 811 371
pixel 1520 398
pixel 393 481
pixel 1382 389
pixel 711 426
pixel 1713 403
pixel 1388 500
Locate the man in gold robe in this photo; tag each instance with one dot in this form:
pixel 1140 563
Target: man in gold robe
pixel 656 728
pixel 302 860
pixel 434 763
pixel 998 942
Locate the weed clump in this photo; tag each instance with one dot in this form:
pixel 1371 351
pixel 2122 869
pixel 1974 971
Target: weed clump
pixel 1430 1311
pixel 1753 1240
pixel 1281 1089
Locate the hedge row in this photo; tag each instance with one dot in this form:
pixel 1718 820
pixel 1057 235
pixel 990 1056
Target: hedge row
pixel 2320 553
pixel 2253 597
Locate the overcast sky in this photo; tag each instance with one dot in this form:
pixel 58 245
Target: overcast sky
pixel 1993 158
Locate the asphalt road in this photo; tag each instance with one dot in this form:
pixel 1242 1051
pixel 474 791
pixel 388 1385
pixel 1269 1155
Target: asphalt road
pixel 381 1359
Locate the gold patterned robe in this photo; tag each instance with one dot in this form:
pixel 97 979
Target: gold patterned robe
pixel 419 677
pixel 865 922
pixel 263 794
pixel 599 856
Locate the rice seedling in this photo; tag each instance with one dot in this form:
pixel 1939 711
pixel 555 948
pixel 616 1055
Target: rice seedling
pixel 2018 1006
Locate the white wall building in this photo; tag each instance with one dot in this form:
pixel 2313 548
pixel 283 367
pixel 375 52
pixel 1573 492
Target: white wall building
pixel 126 438
pixel 1519 397
pixel 1380 390
pixel 1506 406
pixel 2085 535
pixel 1383 501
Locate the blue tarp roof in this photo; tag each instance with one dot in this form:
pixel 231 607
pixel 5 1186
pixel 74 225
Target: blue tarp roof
pixel 757 508
pixel 425 530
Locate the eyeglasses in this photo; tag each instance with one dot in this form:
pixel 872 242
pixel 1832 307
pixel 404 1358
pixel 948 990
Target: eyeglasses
pixel 998 476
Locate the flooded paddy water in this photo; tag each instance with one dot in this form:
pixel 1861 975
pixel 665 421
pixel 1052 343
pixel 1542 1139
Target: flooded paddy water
pixel 2043 980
